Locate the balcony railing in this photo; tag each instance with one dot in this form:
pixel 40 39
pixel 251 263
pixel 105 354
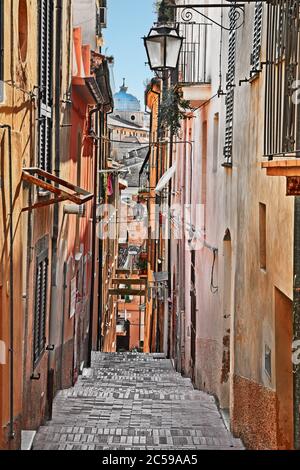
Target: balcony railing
pixel 282 128
pixel 193 58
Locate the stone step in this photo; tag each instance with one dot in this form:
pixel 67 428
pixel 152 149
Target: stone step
pixel 134 401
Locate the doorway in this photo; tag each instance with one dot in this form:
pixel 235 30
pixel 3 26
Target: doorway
pixel 227 324
pixel 193 315
pixel 284 369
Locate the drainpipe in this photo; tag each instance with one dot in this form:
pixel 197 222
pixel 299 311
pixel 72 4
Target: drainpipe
pixel 56 207
pixel 11 288
pixel 100 277
pixel 96 139
pixel 169 252
pixel 296 321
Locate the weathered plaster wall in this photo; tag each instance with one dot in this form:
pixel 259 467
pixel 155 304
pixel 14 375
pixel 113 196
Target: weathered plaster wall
pixel 240 316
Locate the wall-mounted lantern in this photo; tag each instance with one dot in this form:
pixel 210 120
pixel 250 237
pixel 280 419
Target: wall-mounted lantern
pixel 163 45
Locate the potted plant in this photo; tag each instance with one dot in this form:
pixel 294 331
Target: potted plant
pixel 142 266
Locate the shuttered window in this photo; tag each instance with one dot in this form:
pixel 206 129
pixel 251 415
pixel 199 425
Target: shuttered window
pixel 1 48
pixel 41 282
pixel 230 79
pixel 45 84
pixel 257 36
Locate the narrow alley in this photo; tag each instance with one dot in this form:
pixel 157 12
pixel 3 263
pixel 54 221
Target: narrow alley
pixel 134 401
pixel 149 226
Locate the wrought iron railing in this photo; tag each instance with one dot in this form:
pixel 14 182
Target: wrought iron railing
pixel 193 58
pixel 282 118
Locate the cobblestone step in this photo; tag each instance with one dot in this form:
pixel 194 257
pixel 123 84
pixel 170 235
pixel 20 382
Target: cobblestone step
pixel 134 401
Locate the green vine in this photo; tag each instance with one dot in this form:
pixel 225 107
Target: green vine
pixel 165 14
pixel 172 110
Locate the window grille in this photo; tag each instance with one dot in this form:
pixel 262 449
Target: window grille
pixel 282 119
pixel 41 282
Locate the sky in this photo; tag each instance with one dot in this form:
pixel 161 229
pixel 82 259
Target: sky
pixel 128 21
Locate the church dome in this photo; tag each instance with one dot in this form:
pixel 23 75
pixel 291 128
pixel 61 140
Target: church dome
pixel 126 102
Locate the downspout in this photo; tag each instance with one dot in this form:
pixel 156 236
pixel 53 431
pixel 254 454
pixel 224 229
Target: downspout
pixel 158 151
pixel 96 138
pixel 100 277
pixel 296 321
pixel 169 251
pixel 11 289
pixel 56 207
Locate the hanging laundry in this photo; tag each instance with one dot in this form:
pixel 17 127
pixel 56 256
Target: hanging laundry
pixel 110 185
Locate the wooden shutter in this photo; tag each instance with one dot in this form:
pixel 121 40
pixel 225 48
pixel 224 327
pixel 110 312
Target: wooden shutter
pixel 45 84
pixel 257 35
pixel 230 79
pixel 41 283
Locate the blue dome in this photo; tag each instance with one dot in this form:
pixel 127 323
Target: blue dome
pixel 126 102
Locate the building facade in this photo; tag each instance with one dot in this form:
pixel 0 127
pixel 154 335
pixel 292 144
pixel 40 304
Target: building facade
pixel 232 274
pixel 232 305
pixel 52 106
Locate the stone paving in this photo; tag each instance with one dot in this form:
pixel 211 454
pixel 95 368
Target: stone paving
pixel 129 401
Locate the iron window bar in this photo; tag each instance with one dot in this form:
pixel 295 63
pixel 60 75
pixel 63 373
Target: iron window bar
pixel 282 73
pixel 43 180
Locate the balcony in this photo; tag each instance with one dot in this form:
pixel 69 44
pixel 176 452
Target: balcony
pixel 193 74
pixel 281 133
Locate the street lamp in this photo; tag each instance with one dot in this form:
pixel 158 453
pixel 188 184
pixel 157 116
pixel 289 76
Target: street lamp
pixel 163 45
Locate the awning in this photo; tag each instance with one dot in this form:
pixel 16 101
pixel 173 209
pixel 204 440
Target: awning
pixel 52 184
pixel 166 178
pixel 123 184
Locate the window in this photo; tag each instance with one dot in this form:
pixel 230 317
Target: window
pixel 281 79
pixel 41 283
pixel 230 79
pixel 262 236
pixel 257 35
pixel 101 17
pixel 1 48
pixel 45 84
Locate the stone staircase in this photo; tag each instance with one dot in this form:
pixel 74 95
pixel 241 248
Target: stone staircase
pixel 134 401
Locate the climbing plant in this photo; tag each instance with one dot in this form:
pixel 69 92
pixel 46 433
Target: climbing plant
pixel 165 14
pixel 172 110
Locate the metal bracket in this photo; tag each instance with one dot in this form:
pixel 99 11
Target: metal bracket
pixel 245 80
pixel 35 377
pixel 51 347
pixel 188 12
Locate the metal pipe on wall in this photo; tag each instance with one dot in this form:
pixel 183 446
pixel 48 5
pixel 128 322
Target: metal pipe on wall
pixel 96 139
pixel 58 43
pixel 11 288
pixel 296 321
pixel 100 277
